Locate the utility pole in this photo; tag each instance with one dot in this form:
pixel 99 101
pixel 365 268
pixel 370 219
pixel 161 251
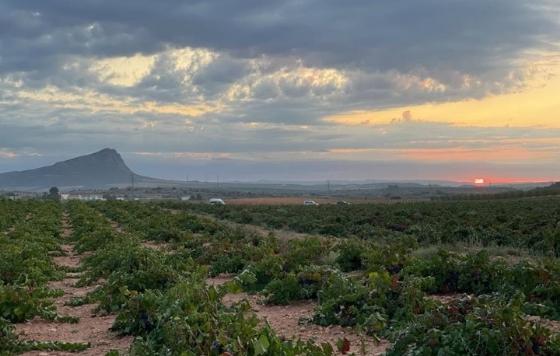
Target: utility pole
pixel 132 185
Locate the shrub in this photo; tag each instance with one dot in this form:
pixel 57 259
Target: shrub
pixel 283 291
pixel 486 326
pixel 189 319
pixel 350 255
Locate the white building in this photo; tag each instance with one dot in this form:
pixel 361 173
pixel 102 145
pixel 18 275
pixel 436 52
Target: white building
pixel 82 197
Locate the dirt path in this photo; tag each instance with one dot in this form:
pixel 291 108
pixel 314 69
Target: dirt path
pixel 91 328
pixel 159 246
pixel 552 325
pixel 292 322
pixel 286 320
pixel 259 230
pixel 115 225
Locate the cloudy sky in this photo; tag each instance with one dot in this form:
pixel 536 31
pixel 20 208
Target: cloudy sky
pixel 291 90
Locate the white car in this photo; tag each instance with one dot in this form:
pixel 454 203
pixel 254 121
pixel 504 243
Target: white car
pixel 216 201
pixel 310 203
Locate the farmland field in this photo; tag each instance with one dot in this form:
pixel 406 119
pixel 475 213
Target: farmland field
pixel 298 200
pixel 427 278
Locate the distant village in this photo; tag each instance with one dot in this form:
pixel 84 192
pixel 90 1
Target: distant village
pixel 99 195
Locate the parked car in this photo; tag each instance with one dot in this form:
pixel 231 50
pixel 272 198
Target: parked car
pixel 310 203
pixel 216 201
pixel 343 202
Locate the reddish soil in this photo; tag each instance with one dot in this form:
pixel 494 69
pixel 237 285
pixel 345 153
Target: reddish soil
pixel 552 325
pixel 159 246
pixel 292 322
pixel 259 230
pixel 219 280
pixel 69 259
pixel 91 328
pixel 116 226
pixel 448 298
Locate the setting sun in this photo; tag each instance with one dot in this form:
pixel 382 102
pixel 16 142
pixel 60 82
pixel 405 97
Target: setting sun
pixel 479 181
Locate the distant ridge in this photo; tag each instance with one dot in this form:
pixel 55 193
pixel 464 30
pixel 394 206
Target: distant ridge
pixel 97 170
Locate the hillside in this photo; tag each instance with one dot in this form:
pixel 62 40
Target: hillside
pixel 97 170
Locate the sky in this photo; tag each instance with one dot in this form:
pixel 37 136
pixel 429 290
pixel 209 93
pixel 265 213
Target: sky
pixel 285 90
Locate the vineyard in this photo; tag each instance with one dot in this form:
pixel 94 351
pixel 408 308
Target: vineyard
pixel 431 278
pixel 524 223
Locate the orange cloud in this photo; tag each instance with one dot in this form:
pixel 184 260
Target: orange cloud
pixel 492 154
pixel 538 104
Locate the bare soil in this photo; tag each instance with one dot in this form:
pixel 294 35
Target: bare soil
pixel 219 280
pixel 552 325
pixel 93 329
pixel 448 298
pixel 259 230
pixel 158 246
pixel 69 259
pixel 116 226
pixel 293 322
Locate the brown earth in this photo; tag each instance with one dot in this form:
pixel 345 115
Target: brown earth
pixel 259 230
pixel 160 246
pixel 552 325
pixel 448 298
pixel 92 328
pixel 219 280
pixel 292 322
pixel 116 226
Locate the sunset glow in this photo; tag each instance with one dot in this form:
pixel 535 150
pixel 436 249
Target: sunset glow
pixel 417 139
pixel 425 91
pixel 530 105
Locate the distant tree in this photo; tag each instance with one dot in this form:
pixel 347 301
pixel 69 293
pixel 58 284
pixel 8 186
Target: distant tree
pixel 109 196
pixel 54 194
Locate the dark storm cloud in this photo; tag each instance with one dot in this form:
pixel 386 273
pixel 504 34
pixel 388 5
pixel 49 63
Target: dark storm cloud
pixel 269 72
pixel 468 36
pixel 372 42
pixel 219 74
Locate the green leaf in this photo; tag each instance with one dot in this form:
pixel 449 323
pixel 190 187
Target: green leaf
pixel 261 345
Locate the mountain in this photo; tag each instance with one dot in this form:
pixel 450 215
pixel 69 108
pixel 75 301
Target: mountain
pixel 97 170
